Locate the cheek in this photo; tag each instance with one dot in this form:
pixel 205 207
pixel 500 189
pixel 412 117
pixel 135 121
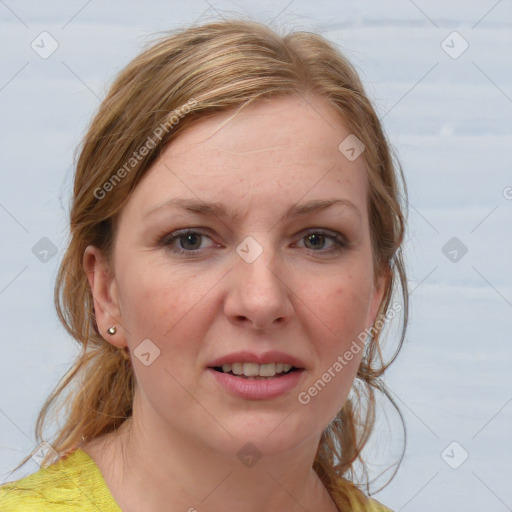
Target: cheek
pixel 343 307
pixel 159 303
pixel 343 313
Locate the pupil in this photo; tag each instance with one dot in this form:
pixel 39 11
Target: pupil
pixel 191 236
pixel 315 236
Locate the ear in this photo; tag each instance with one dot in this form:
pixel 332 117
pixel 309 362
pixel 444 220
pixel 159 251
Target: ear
pixel 107 309
pixel 379 288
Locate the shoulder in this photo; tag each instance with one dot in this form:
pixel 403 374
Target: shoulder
pixel 71 484
pixel 377 506
pixel 369 505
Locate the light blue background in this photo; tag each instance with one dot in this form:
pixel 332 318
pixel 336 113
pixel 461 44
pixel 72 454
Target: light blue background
pixel 450 122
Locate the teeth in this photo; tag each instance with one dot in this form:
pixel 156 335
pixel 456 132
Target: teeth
pixel 267 370
pixel 256 370
pixel 250 369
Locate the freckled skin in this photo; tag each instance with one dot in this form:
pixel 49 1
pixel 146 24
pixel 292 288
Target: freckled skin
pixel 274 155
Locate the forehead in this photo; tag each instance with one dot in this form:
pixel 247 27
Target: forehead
pixel 273 150
pixel 309 125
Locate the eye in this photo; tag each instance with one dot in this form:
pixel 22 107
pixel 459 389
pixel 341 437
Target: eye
pixel 315 240
pixel 189 241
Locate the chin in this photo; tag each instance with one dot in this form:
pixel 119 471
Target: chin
pixel 268 434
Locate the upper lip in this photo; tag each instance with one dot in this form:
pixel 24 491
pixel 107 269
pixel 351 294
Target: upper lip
pixel 245 356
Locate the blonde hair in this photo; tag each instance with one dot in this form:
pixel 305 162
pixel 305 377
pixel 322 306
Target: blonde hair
pixel 182 77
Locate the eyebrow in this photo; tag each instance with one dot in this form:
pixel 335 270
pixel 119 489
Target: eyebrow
pixel 220 210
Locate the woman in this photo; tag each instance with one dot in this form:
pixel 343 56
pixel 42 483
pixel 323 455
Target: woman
pixel 235 242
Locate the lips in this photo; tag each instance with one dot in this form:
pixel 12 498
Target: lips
pixel 257 388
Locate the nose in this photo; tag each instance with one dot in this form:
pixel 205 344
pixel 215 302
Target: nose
pixel 259 294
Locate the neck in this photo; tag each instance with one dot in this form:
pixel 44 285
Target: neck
pixel 179 473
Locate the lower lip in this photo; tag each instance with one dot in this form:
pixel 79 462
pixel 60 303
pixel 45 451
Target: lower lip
pixel 257 389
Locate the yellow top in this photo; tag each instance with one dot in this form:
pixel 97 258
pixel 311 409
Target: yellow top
pixel 72 484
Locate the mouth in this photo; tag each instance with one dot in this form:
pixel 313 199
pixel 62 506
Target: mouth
pixel 252 376
pixel 256 371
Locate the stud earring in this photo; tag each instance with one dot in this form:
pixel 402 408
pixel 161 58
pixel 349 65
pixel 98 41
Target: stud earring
pixel 111 330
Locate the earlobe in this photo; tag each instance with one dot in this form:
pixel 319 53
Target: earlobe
pixel 104 291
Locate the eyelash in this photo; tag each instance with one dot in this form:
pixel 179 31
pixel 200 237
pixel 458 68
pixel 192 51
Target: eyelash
pixel 168 240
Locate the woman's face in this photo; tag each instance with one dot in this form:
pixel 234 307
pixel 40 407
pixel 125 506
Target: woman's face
pixel 262 277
